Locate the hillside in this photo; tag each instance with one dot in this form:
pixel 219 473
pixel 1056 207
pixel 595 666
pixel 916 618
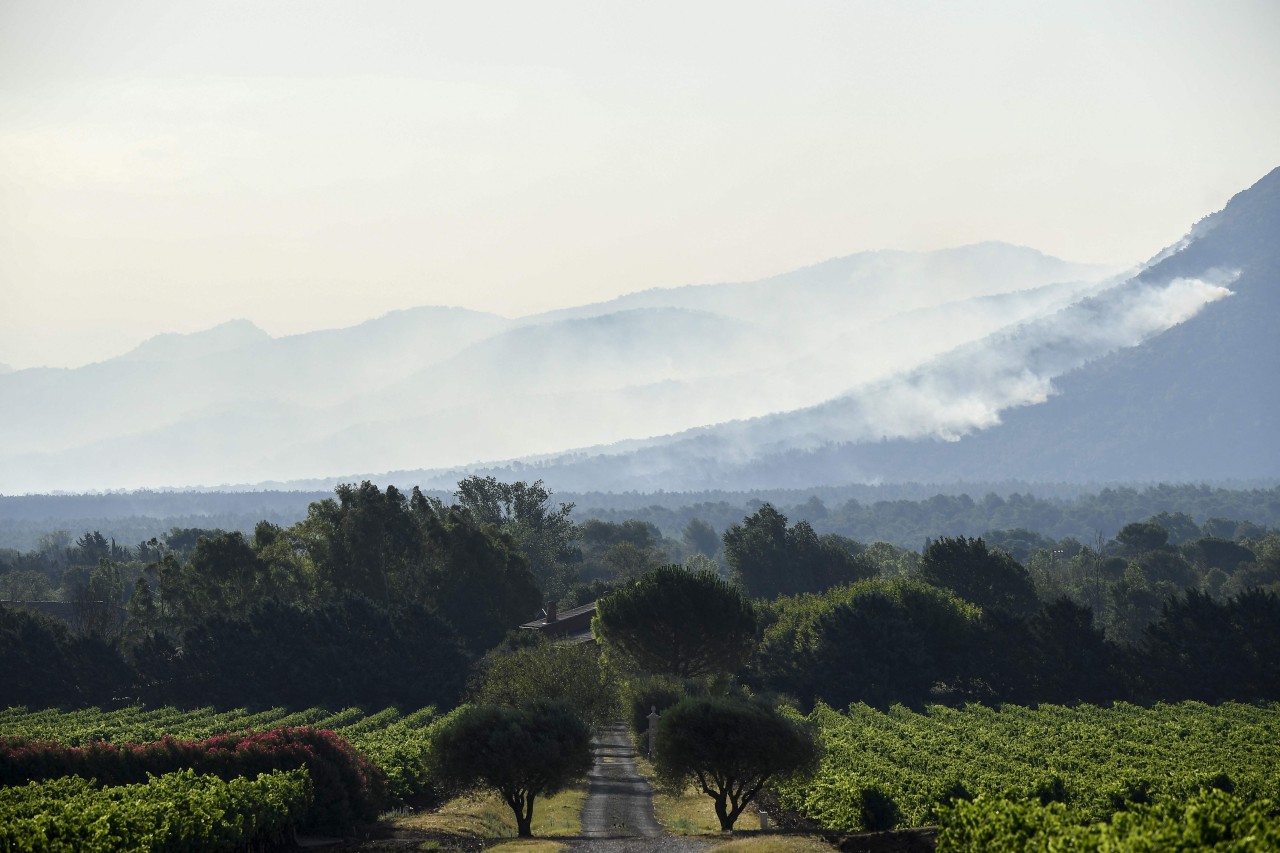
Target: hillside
pixel 980 363
pixel 438 387
pixel 1055 399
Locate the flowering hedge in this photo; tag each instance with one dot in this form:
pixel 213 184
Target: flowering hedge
pixel 348 788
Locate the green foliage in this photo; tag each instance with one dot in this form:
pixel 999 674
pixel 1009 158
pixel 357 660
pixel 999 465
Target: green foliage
pixel 730 749
pixel 399 746
pixel 768 559
pixel 346 652
pixel 700 538
pixel 676 622
pixel 42 663
pixel 620 552
pixel 545 536
pixel 904 515
pixel 989 579
pixel 24 585
pixel 1208 820
pixel 482 583
pixel 642 694
pixel 383 597
pixel 1057 655
pixel 229 576
pixel 876 640
pixel 522 753
pixel 1211 552
pixel 1084 762
pixel 396 550
pixel 1204 649
pixel 877 810
pixel 1138 537
pixel 545 672
pixel 176 812
pixel 900 514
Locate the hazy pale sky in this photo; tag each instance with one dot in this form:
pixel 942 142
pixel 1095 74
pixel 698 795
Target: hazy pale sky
pixel 165 166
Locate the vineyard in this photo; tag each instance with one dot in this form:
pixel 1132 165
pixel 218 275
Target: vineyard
pixel 1210 819
pixel 1054 765
pixel 165 775
pixel 1181 776
pixel 166 813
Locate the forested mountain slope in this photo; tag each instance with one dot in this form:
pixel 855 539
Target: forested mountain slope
pixel 1201 400
pixel 1197 400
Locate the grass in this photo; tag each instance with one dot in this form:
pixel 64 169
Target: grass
pixel 466 817
pixel 488 817
pixel 558 815
pixel 692 812
pixel 689 812
pixel 528 845
pixel 775 844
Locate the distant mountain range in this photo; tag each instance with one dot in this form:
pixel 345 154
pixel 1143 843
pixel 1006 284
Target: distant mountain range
pixel 1171 374
pixel 983 362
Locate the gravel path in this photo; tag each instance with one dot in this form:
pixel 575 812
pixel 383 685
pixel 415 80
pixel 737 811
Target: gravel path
pixel 618 815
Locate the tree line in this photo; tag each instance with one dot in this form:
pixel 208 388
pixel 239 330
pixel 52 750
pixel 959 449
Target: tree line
pixel 376 597
pixel 901 514
pixel 382 597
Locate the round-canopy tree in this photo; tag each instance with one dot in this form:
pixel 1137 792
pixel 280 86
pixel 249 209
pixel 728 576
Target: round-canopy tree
pixel 770 559
pixel 518 752
pixel 549 672
pixel 677 622
pixel 878 641
pixel 987 578
pixel 730 748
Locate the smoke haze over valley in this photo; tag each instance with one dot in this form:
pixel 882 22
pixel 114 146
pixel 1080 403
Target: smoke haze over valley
pixel 869 348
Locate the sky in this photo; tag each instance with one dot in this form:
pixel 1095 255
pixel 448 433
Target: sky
pixel 166 166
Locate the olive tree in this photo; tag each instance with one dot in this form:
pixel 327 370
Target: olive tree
pixel 730 748
pixel 521 753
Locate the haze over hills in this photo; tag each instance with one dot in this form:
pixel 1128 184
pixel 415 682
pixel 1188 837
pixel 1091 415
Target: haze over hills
pixel 444 387
pixel 983 362
pixel 1169 375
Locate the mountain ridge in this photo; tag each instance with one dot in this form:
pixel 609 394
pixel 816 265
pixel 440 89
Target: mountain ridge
pixel 1043 440
pixel 733 375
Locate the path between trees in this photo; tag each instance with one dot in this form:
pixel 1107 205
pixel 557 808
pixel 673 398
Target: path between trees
pixel 618 814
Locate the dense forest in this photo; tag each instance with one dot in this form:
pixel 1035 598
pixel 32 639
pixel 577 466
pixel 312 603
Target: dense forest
pixel 902 514
pixel 381 597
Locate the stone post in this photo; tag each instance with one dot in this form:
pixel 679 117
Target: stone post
pixel 653 727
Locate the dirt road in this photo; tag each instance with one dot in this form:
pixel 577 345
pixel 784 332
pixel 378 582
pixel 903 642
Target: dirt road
pixel 618 815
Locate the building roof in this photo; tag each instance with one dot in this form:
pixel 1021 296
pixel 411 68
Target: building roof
pixel 575 614
pixel 572 625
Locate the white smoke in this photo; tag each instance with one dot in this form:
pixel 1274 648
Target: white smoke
pixel 966 389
